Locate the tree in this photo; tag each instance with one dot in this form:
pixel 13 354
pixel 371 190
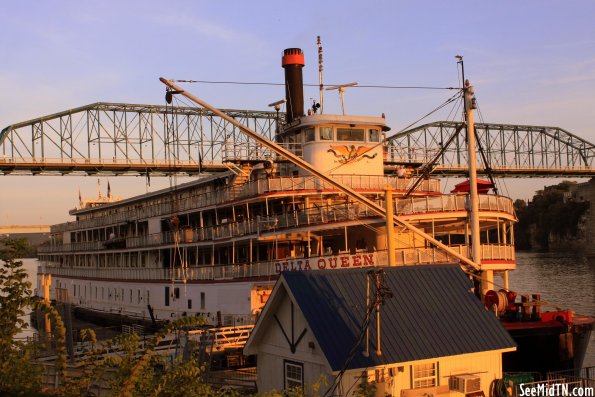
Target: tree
pixel 19 376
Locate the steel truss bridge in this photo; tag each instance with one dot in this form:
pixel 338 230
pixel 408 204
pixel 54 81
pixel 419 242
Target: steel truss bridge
pixel 118 139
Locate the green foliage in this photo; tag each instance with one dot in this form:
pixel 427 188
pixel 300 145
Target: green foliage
pixel 19 376
pixel 365 388
pixel 547 214
pixel 13 248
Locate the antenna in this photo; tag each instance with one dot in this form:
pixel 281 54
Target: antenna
pixel 381 293
pixel 341 89
pixel 320 74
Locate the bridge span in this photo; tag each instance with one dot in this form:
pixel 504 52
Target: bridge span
pixel 121 139
pixel 23 229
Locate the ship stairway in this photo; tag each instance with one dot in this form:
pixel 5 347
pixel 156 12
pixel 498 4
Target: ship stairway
pixel 243 170
pixel 242 176
pixel 223 338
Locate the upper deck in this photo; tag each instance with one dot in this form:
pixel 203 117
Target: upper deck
pixel 204 195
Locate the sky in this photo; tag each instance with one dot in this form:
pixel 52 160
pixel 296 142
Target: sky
pixel 531 62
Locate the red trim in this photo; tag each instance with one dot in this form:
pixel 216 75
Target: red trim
pixel 498 262
pixel 293 59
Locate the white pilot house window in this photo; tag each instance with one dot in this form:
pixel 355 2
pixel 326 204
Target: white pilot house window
pixel 373 136
pixel 294 374
pixel 424 375
pixel 350 134
pixel 326 133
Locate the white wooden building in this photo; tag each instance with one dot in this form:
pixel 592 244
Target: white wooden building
pixel 436 336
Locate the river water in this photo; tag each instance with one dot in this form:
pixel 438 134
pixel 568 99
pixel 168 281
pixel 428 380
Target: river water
pixel 564 279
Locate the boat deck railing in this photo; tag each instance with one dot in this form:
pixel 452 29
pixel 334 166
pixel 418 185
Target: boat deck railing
pixel 312 216
pixel 404 257
pixel 211 197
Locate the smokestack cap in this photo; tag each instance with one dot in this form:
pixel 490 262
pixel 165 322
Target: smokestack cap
pixel 293 56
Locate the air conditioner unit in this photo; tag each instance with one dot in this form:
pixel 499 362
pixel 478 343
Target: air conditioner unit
pixel 465 383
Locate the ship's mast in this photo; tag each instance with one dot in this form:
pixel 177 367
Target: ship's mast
pixel 321 86
pixel 487 276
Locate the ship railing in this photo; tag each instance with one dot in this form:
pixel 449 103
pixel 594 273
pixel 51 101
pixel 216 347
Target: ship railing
pixel 209 272
pixel 260 186
pixel 452 202
pixel 497 251
pixel 363 182
pixel 404 257
pixel 423 255
pixel 300 217
pixel 410 206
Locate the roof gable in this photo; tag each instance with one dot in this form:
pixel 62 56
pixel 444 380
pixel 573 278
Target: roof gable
pixel 432 314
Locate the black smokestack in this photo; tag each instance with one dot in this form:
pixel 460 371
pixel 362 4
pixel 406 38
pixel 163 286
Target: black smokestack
pixel 293 62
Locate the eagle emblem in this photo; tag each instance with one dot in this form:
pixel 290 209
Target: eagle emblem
pixel 346 154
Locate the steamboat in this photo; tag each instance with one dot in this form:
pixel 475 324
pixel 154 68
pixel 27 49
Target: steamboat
pixel 318 197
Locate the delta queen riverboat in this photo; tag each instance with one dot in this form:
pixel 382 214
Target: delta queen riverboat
pixel 215 246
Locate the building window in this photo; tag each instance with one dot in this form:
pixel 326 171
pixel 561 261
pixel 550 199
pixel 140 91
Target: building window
pixel 309 134
pixel 166 296
pixel 202 301
pixel 373 136
pixel 350 134
pixel 424 375
pixel 326 133
pixel 294 374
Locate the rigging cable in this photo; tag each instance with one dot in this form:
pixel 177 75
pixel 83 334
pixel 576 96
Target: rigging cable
pixel 381 86
pixel 484 157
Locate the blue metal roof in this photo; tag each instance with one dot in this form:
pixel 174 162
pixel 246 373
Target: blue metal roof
pixel 432 314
